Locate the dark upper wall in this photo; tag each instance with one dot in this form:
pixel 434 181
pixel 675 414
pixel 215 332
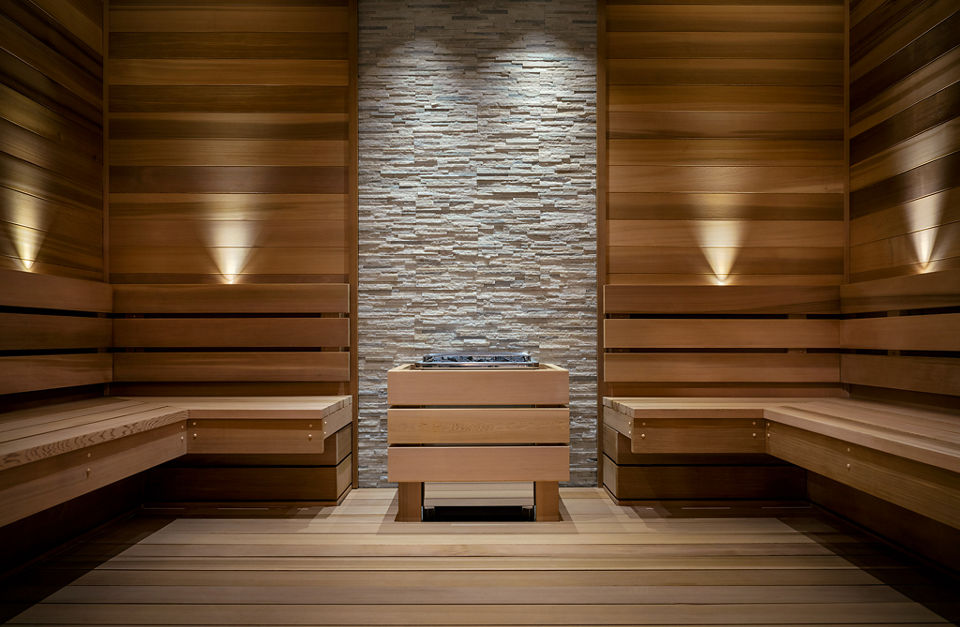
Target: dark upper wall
pixel 51 139
pixel 904 138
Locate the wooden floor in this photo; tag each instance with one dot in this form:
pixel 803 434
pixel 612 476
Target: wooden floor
pixel 744 564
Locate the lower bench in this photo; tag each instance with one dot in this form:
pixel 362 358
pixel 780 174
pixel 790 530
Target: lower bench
pixel 904 455
pixel 53 454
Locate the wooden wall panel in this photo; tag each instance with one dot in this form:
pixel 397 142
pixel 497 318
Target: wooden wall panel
pixel 710 106
pixel 721 194
pixel 905 140
pixel 230 158
pixel 51 138
pixel 232 194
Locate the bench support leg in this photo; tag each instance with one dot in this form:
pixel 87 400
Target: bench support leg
pixel 410 499
pixel 546 500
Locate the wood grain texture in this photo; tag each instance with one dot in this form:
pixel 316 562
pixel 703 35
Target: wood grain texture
pixel 300 72
pixel 34 487
pixel 938 332
pixel 33 332
pixel 231 332
pixel 28 373
pixel 720 299
pixel 51 137
pixel 323 484
pixel 722 367
pixel 478 426
pixel 918 487
pixel 226 19
pixel 27 289
pixel 242 298
pixel 921 291
pixel 630 483
pixel 905 99
pixel 546 385
pixel 478 463
pixel 720 18
pixel 23 446
pixel 921 374
pixel 707 334
pixel 232 366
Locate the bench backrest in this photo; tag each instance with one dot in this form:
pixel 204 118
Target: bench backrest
pixel 232 339
pixel 55 334
pixel 720 340
pixel 903 334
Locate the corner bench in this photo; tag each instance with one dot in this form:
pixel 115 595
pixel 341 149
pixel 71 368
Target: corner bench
pixel 52 454
pixel 901 454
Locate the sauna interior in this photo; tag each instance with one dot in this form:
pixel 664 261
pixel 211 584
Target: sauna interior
pixel 494 312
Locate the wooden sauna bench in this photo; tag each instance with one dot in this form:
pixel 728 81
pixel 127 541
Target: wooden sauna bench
pixel 901 454
pixel 51 454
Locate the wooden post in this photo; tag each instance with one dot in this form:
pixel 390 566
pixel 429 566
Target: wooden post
pixel 410 501
pixel 546 500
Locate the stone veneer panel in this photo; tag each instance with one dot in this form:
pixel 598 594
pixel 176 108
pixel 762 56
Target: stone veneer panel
pixel 477 196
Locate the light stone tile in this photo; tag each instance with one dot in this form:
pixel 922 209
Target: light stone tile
pixel 477 196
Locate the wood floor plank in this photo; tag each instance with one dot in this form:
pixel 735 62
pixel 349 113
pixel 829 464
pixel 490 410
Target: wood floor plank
pixel 529 614
pixel 663 563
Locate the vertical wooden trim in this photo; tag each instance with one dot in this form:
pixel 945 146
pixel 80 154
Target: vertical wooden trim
pixel 409 501
pixel 353 231
pixel 846 141
pixel 601 218
pixel 546 500
pixel 105 144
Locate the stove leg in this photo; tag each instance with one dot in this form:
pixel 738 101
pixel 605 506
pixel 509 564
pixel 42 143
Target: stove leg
pixel 410 497
pixel 546 500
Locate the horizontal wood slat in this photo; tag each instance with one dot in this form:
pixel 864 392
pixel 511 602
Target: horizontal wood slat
pixel 175 45
pixel 23 332
pixel 748 233
pixel 228 179
pixel 323 484
pixel 226 19
pixel 34 487
pixel 546 385
pixel 720 299
pixel 231 332
pixel 43 291
pixel 722 367
pixel 215 262
pixel 228 152
pixel 702 482
pixel 720 18
pixel 920 291
pixel 28 373
pixel 267 298
pixel 724 45
pixel 478 426
pixel 769 179
pixel 938 332
pixel 724 206
pixel 478 463
pixel 228 72
pixel 724 72
pixel 707 151
pixel 920 374
pixel 706 334
pixel 759 99
pixel 232 366
pixel 925 489
pixel 728 122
